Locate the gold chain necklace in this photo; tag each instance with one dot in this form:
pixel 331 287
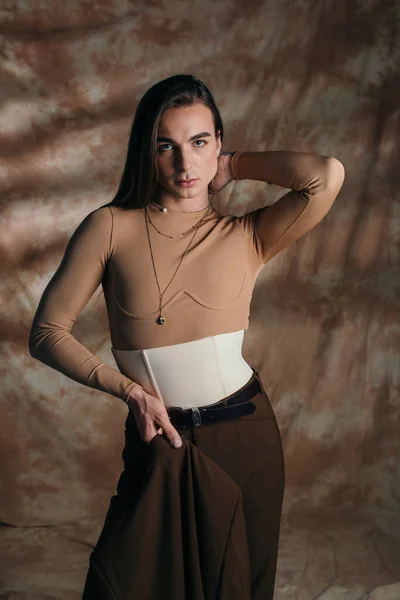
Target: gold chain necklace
pixel 160 319
pixel 175 237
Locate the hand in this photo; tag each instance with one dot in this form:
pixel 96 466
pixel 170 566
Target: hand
pixel 223 175
pixel 151 416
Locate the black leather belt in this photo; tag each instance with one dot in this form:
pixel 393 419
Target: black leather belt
pixel 231 407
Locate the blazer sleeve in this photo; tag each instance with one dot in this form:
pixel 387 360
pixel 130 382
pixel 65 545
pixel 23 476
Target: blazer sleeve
pixel 314 180
pixel 69 290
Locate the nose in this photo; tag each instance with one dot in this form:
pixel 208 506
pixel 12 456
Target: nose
pixel 182 161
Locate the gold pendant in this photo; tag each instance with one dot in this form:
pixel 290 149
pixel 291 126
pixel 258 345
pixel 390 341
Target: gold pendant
pixel 161 320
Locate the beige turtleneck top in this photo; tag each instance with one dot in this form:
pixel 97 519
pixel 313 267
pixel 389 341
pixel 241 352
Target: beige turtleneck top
pixel 212 289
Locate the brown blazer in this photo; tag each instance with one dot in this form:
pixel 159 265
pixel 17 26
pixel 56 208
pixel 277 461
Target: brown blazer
pixel 176 531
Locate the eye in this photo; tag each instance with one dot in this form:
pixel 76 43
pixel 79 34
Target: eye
pixel 160 148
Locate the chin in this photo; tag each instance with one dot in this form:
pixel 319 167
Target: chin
pixel 188 193
pixel 179 192
pixel 185 192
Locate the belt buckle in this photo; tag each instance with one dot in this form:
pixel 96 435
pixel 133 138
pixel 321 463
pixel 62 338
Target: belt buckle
pixel 196 417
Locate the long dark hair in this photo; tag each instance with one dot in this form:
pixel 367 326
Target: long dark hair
pixel 139 179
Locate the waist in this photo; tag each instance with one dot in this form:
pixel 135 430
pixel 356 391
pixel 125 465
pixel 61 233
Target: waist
pixel 191 374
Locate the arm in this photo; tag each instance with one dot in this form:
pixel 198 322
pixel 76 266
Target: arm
pixel 71 287
pixel 315 181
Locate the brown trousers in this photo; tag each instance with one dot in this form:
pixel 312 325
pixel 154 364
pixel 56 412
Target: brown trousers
pixel 153 548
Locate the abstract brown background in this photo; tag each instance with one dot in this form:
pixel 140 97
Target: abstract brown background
pixel 324 326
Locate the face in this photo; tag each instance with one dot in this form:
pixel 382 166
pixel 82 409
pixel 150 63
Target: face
pixel 187 148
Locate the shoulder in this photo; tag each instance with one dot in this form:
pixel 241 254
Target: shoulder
pixel 99 218
pixel 106 218
pixel 95 230
pixel 125 221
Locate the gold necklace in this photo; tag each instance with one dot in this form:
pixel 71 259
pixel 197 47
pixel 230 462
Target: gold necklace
pixel 161 320
pixel 175 237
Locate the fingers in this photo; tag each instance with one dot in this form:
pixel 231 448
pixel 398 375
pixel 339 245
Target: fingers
pixel 152 418
pixel 167 430
pixel 172 434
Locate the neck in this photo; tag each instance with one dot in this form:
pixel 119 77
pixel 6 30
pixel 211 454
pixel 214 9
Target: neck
pixel 174 203
pixel 177 207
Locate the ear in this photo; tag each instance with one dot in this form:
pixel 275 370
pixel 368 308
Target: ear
pixel 219 143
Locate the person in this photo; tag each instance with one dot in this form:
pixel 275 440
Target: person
pixel 198 504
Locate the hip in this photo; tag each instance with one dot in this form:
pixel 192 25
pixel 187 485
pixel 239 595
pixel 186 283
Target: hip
pixel 240 445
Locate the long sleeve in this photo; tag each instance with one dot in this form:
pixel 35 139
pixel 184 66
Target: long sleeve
pixel 75 281
pixel 315 181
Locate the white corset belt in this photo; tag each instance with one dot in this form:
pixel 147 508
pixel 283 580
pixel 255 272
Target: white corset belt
pixel 190 374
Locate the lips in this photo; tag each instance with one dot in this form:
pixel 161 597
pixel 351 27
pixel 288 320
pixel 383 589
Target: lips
pixel 186 180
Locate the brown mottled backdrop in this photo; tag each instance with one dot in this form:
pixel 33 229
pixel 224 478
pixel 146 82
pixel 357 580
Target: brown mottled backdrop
pixel 324 329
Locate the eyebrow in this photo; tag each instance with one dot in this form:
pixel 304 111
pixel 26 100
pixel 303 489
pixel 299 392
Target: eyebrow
pixel 194 137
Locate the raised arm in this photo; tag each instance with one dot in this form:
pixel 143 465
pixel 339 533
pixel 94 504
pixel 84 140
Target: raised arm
pixel 315 181
pixel 71 287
